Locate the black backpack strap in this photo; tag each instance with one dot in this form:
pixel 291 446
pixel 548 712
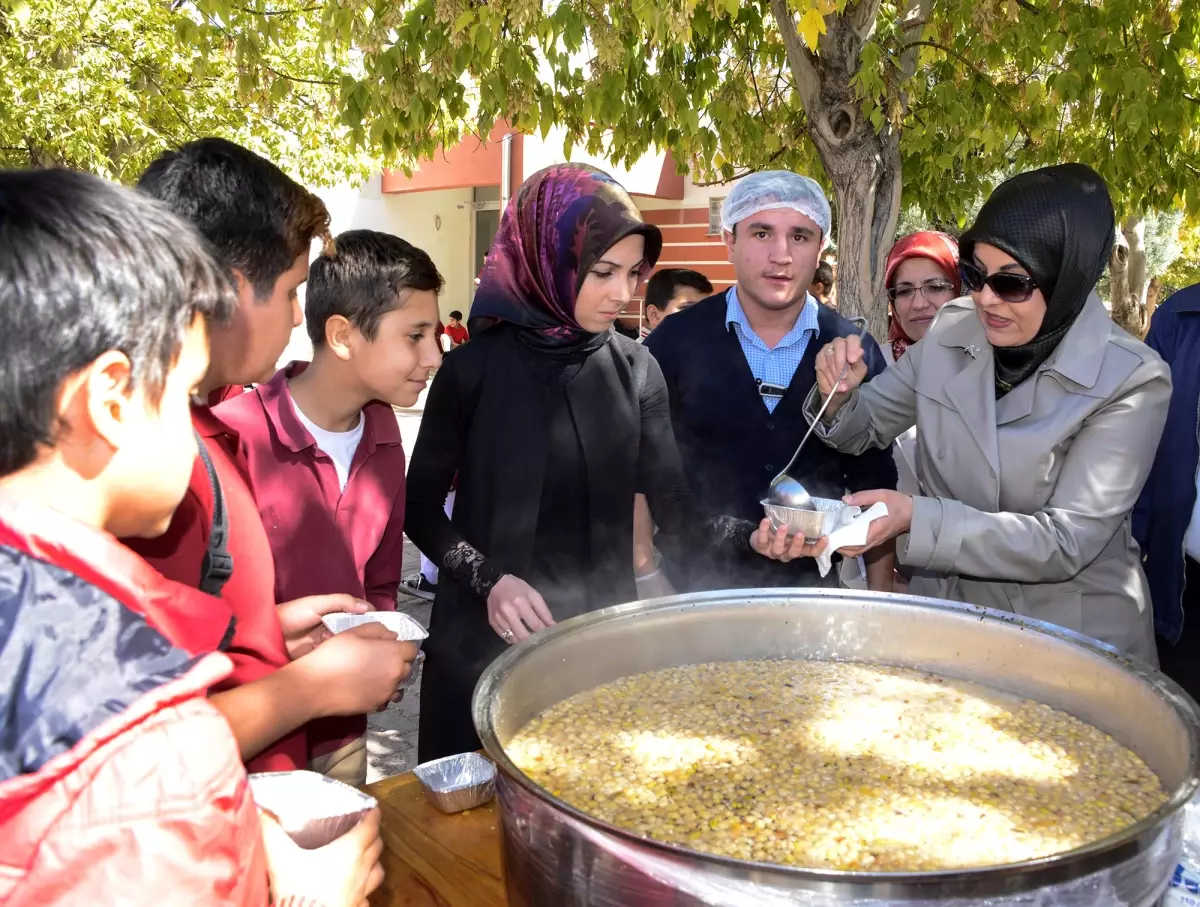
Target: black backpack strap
pixel 217 566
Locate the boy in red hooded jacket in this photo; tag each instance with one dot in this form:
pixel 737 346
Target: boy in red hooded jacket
pixel 119 782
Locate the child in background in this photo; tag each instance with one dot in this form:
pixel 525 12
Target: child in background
pixel 261 224
pixel 119 782
pixel 456 330
pixel 671 290
pixel 323 446
pixel 822 285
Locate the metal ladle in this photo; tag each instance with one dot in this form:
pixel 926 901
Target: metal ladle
pixel 787 491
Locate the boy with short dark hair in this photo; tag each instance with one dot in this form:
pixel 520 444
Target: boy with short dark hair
pixel 104 301
pixel 322 443
pixel 456 330
pixel 261 224
pixel 671 290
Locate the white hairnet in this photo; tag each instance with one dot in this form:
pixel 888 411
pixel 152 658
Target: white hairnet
pixel 770 189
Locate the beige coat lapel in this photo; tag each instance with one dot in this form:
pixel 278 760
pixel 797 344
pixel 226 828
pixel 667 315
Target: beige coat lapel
pixel 971 391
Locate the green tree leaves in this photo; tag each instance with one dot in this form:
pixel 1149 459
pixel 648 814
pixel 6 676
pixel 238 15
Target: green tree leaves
pixel 106 85
pixel 336 87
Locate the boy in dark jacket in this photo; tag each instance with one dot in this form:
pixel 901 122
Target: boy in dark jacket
pixel 119 782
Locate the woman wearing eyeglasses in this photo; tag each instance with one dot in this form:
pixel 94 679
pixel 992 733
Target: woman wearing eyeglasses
pixel 1038 421
pixel 921 277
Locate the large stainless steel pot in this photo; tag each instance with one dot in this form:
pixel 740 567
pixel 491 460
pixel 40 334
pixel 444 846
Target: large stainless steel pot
pixel 557 856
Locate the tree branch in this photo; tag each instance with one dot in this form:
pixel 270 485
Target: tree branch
pixel 737 176
pixel 284 75
pixel 916 14
pixel 800 59
pixel 754 81
pixel 863 16
pixel 979 74
pixel 276 12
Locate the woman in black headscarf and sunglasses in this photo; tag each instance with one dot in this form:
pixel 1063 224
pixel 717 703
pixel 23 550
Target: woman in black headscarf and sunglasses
pixel 1038 420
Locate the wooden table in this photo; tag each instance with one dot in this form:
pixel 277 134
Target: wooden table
pixel 431 859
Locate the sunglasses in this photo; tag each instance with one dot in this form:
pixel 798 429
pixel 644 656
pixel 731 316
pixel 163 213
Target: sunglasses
pixel 933 290
pixel 1006 286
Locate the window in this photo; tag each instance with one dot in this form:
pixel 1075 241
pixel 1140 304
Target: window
pixel 714 216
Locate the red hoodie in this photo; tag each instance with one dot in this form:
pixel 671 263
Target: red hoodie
pixel 119 783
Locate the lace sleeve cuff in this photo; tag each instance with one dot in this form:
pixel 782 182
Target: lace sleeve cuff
pixel 471 569
pixel 730 533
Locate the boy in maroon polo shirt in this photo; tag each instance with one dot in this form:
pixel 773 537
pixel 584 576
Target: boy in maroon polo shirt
pixel 261 224
pixel 323 446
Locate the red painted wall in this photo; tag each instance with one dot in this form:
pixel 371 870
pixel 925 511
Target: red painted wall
pixel 466 166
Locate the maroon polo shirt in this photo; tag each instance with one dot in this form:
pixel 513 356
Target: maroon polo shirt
pixel 257 647
pixel 323 539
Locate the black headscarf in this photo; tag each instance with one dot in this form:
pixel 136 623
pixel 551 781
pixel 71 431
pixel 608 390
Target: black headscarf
pixel 1058 224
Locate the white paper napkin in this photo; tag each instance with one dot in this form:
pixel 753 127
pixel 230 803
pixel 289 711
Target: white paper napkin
pixel 850 534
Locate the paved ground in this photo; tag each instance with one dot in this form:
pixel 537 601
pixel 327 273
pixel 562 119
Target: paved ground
pixel 392 735
pixel 392 738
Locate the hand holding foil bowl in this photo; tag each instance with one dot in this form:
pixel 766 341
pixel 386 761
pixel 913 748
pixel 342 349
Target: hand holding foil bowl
pixel 405 628
pixel 321 838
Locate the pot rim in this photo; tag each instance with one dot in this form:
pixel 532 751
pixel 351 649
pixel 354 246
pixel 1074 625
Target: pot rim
pixel 986 880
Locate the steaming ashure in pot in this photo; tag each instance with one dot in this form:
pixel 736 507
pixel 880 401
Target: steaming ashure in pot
pixel 835 765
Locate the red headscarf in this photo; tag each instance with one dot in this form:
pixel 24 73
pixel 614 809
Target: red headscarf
pixel 942 250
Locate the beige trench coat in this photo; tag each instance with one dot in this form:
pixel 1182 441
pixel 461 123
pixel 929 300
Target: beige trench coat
pixel 1024 502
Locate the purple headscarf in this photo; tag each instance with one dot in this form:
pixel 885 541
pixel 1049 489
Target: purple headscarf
pixel 562 220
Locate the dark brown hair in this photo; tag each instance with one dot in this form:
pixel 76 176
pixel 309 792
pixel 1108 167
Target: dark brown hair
pixel 257 218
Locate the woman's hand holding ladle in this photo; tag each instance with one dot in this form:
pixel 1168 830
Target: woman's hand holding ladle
pixel 832 358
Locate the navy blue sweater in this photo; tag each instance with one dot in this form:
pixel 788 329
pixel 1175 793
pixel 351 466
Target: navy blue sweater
pixel 732 445
pixel 1164 510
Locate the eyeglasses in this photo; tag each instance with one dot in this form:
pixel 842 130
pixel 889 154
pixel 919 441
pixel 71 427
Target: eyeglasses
pixel 1006 286
pixel 932 290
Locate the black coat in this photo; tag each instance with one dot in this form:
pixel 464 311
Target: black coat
pixel 487 419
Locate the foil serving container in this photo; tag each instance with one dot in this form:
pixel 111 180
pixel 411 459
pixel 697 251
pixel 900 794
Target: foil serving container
pixel 414 673
pixel 812 524
pixel 405 628
pixel 312 809
pixel 455 783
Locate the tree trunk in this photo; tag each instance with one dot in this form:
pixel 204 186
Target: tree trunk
pixel 1153 291
pixel 1127 278
pixel 1135 235
pixel 865 171
pixel 863 164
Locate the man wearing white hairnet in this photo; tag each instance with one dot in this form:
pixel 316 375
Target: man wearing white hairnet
pixel 738 367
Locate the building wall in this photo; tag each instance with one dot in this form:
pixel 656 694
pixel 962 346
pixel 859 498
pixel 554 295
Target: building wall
pixel 686 240
pixel 431 220
pixel 644 177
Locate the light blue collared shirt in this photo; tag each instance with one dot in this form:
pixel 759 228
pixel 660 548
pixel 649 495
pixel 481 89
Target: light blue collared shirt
pixel 775 365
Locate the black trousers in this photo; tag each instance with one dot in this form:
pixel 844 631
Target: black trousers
pixel 1181 662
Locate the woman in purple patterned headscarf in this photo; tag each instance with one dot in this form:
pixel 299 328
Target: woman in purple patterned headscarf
pixel 552 422
pixel 539 273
